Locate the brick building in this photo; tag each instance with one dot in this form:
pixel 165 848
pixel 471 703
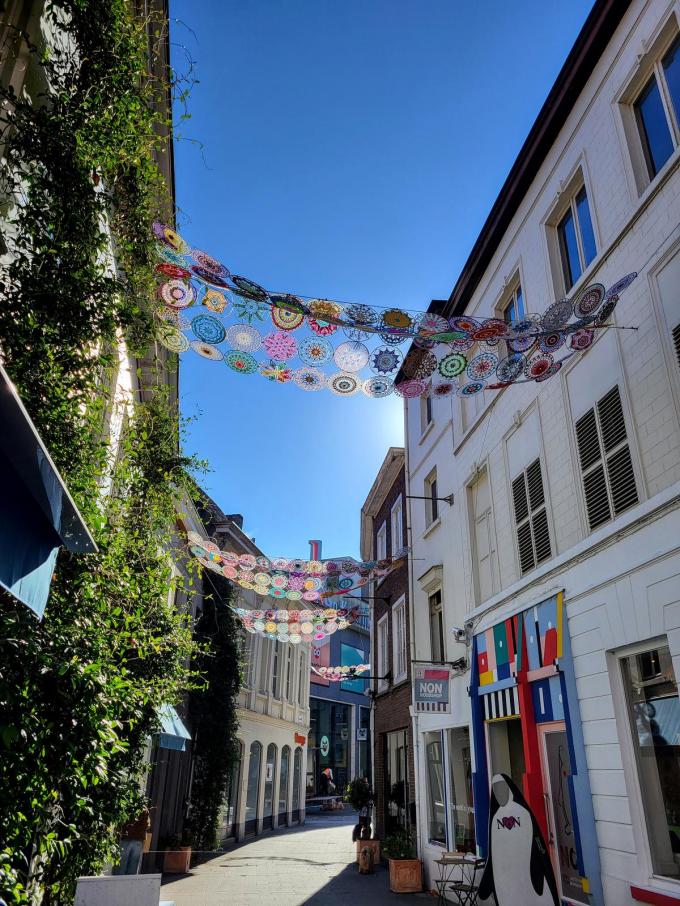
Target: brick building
pixel 384 534
pixel 558 564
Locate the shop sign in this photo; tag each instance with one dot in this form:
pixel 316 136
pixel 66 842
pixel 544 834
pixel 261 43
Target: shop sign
pixel 362 734
pixel 431 689
pixel 324 746
pixel 299 739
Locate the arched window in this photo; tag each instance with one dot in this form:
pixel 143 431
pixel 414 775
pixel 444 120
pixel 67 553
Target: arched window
pixel 230 808
pixel 297 778
pixel 253 794
pixel 270 771
pixel 284 776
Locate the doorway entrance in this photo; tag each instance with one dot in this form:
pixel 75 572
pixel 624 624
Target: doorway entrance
pixel 556 771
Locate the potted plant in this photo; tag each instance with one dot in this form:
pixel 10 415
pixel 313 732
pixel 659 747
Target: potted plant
pixel 406 870
pixel 177 857
pixel 360 796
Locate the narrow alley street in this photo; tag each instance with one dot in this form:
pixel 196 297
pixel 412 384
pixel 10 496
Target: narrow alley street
pixel 311 864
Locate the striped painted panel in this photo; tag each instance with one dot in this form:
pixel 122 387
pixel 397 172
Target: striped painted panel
pixel 503 703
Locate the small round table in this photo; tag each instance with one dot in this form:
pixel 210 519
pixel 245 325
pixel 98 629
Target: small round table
pixel 457 875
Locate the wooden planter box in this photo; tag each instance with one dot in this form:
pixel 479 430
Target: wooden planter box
pixel 406 875
pixel 176 861
pixel 372 844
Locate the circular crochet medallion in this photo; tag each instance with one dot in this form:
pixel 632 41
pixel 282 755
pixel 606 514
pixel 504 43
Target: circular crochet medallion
pixel 452 365
pixel 556 315
pixel 174 271
pixel 482 366
pixel 169 236
pixel 285 319
pixel 343 384
pixel 385 360
pixel 351 356
pixel 411 389
pixel 215 301
pixel 510 367
pixel 471 388
pixel 617 288
pixel 522 344
pixel 315 351
pixel 377 387
pixel 465 324
pixel 289 302
pixel 589 300
pixel 177 294
pixel 363 321
pixel 209 277
pixel 538 365
pixel 249 288
pixel 242 362
pixel 208 263
pixel 280 346
pixel 310 379
pixel 607 310
pixel 207 350
pixel 278 372
pixel 581 340
pixel 250 309
pixel 208 329
pixel 244 337
pixel 172 338
pixel 554 368
pixel 552 341
pixel 491 331
pixel 446 388
pixel 396 318
pixel 325 310
pixel 421 365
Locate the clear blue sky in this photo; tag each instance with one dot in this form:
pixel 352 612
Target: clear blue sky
pixel 348 149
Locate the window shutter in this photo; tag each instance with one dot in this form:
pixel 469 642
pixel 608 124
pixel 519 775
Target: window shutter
pixel 533 534
pixel 606 463
pixel 676 342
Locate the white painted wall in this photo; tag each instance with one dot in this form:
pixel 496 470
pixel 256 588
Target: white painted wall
pixel 616 593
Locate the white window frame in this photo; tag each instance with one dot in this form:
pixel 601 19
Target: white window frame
pixel 381 542
pixel 569 188
pixel 397 526
pixel 426 414
pixel 431 517
pixel 648 65
pixel 382 650
pixel 399 644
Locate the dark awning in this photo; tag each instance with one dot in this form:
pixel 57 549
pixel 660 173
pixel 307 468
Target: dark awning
pixel 37 513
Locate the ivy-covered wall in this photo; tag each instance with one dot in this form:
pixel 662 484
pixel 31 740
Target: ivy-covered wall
pixel 79 691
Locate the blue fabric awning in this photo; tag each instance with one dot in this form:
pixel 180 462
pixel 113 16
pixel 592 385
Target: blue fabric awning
pixel 37 513
pixel 173 734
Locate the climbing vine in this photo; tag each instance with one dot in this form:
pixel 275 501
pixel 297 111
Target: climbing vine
pixel 79 690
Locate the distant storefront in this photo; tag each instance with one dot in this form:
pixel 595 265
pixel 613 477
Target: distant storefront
pixel 526 724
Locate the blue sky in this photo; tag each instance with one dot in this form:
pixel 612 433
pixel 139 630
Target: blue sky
pixel 350 150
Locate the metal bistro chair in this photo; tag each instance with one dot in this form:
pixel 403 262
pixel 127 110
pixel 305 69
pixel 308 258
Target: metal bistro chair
pixel 457 876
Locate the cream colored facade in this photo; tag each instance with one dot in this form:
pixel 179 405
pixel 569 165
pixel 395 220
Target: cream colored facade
pixel 620 579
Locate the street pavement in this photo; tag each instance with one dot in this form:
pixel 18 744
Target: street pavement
pixel 299 866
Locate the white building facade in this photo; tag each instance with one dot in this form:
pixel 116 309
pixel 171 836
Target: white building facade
pixel 267 789
pixel 560 555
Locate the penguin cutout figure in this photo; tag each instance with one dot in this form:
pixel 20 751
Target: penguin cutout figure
pixel 518 870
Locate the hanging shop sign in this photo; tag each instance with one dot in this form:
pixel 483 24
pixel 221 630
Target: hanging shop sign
pixel 362 734
pixel 431 689
pixel 320 344
pixel 324 746
pixel 300 740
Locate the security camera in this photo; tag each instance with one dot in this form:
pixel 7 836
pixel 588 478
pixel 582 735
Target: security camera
pixel 460 635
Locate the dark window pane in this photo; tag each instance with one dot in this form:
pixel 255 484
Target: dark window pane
pixel 671 68
pixel 519 303
pixel 511 312
pixel 586 227
pixel 653 125
pixel 571 264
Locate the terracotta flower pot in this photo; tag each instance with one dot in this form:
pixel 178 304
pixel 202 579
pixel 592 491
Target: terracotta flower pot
pixel 176 861
pixel 406 875
pixel 372 844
